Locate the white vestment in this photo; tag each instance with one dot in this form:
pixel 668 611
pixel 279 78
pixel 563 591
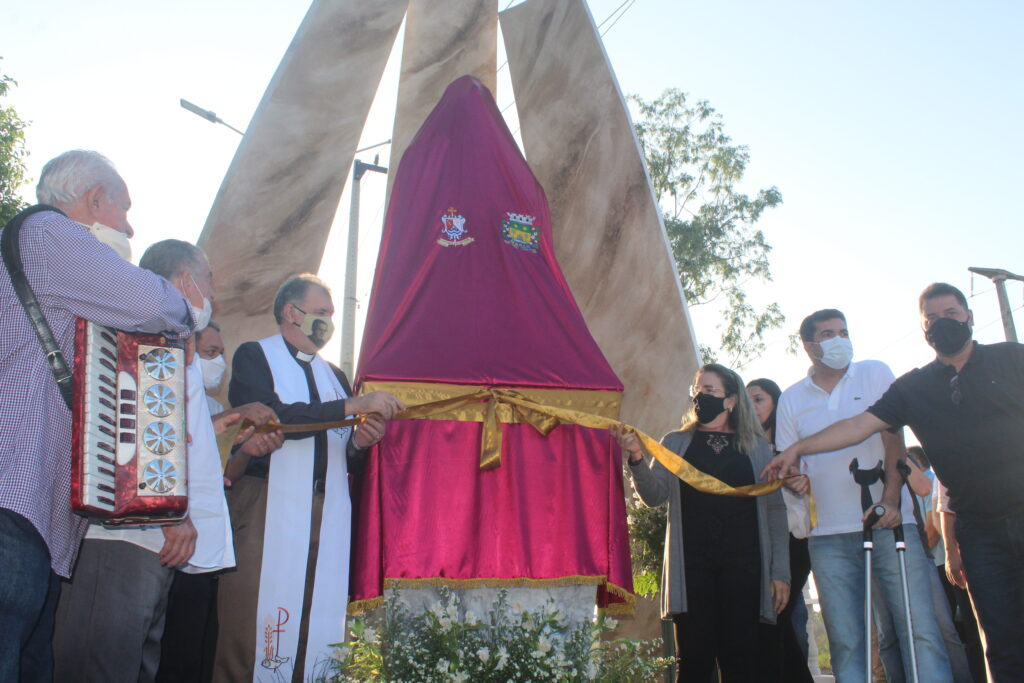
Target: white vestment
pixel 286 538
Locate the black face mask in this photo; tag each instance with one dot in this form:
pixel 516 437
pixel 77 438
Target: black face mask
pixel 708 407
pixel 947 335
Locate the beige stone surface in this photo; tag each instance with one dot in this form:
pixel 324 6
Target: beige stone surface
pixel 444 40
pixel 276 204
pixel 608 234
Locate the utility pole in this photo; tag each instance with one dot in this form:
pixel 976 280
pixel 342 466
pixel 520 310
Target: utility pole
pixel 999 277
pixel 348 315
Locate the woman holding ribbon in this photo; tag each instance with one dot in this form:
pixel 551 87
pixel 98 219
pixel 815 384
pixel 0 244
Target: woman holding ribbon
pixel 733 571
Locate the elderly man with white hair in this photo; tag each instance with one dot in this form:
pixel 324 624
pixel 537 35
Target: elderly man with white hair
pixel 72 253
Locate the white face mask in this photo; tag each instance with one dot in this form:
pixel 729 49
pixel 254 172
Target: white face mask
pixel 203 315
pixel 115 239
pixel 213 371
pixel 836 352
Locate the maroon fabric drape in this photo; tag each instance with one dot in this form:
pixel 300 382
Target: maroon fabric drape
pixel 467 291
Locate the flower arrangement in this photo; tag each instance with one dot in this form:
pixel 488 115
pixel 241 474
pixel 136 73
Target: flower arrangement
pixel 447 643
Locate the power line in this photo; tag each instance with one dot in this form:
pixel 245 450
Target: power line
pixel 626 3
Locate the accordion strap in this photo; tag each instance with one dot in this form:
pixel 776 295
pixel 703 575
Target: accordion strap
pixel 10 247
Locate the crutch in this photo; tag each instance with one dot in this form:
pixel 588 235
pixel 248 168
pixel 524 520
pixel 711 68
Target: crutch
pixel 901 553
pixel 865 478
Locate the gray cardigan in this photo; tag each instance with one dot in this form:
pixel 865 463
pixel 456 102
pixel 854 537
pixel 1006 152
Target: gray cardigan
pixel 656 485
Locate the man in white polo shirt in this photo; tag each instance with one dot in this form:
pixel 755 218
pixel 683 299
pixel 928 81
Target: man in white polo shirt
pixel 835 389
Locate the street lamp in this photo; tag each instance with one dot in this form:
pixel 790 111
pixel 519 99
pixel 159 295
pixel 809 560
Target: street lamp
pixel 207 114
pixel 348 315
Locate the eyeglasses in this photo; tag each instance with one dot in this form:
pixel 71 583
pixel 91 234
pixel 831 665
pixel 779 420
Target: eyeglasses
pixel 954 388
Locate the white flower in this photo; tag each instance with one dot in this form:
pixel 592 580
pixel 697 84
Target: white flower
pixel 471 618
pixel 484 654
pixel 369 634
pixel 543 644
pixel 611 623
pixel 536 654
pixel 442 666
pixel 460 677
pixel 502 657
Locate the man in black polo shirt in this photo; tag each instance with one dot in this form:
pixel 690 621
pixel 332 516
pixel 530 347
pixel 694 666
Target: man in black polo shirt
pixel 967 409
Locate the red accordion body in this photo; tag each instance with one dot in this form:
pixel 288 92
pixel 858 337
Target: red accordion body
pixel 129 436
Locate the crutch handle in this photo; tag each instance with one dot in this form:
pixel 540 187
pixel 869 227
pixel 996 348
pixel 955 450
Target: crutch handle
pixel 875 514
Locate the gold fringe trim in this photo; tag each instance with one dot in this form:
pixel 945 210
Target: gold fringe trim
pixel 620 609
pixel 616 608
pixel 357 607
pixel 496 582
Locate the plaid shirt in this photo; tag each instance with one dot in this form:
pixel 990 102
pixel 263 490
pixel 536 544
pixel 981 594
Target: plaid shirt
pixel 73 275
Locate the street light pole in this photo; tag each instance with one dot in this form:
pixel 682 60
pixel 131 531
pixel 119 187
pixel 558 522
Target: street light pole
pixel 348 315
pixel 207 114
pixel 999 278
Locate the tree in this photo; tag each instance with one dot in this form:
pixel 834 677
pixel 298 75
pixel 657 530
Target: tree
pixel 12 155
pixel 695 168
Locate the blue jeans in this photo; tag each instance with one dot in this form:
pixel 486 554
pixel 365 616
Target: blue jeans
pixel 889 644
pixel 838 562
pixel 993 557
pixel 28 600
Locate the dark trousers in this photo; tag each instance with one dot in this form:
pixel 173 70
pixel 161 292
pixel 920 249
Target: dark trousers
pixel 110 616
pixel 781 658
pixel 966 625
pixel 28 600
pixel 190 630
pixel 723 591
pixel 993 557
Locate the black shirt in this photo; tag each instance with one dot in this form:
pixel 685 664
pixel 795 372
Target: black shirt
pixel 253 382
pixel 970 424
pixel 711 521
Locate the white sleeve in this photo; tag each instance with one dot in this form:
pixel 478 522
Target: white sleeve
pixel 786 433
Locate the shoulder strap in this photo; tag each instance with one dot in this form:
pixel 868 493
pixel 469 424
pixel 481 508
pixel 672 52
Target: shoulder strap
pixel 10 247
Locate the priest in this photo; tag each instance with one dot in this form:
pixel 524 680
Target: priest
pixel 291 513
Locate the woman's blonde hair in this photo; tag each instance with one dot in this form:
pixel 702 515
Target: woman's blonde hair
pixel 742 419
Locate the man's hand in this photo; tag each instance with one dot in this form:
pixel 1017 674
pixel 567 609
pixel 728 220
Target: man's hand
pixel 782 465
pixel 955 566
pixel 799 484
pixel 371 431
pixel 780 593
pixel 380 402
pixel 890 520
pixel 259 445
pixel 179 543
pixel 629 443
pixel 256 413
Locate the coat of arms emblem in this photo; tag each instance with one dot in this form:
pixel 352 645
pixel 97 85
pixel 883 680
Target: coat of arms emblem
pixel 454 230
pixel 519 231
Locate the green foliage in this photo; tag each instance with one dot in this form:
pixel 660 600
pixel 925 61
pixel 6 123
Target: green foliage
pixel 646 544
pixel 12 155
pixel 448 643
pixel 695 169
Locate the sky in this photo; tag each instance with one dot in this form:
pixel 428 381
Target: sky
pixel 891 129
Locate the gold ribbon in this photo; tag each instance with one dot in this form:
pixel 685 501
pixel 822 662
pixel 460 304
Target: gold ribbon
pixel 226 439
pixel 495 405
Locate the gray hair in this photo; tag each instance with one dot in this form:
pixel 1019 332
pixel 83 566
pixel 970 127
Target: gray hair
pixel 170 258
pixel 294 290
pixel 67 177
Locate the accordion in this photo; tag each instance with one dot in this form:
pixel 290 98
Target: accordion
pixel 129 438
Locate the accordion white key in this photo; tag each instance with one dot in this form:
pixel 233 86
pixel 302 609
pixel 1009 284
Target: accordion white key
pixel 129 435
